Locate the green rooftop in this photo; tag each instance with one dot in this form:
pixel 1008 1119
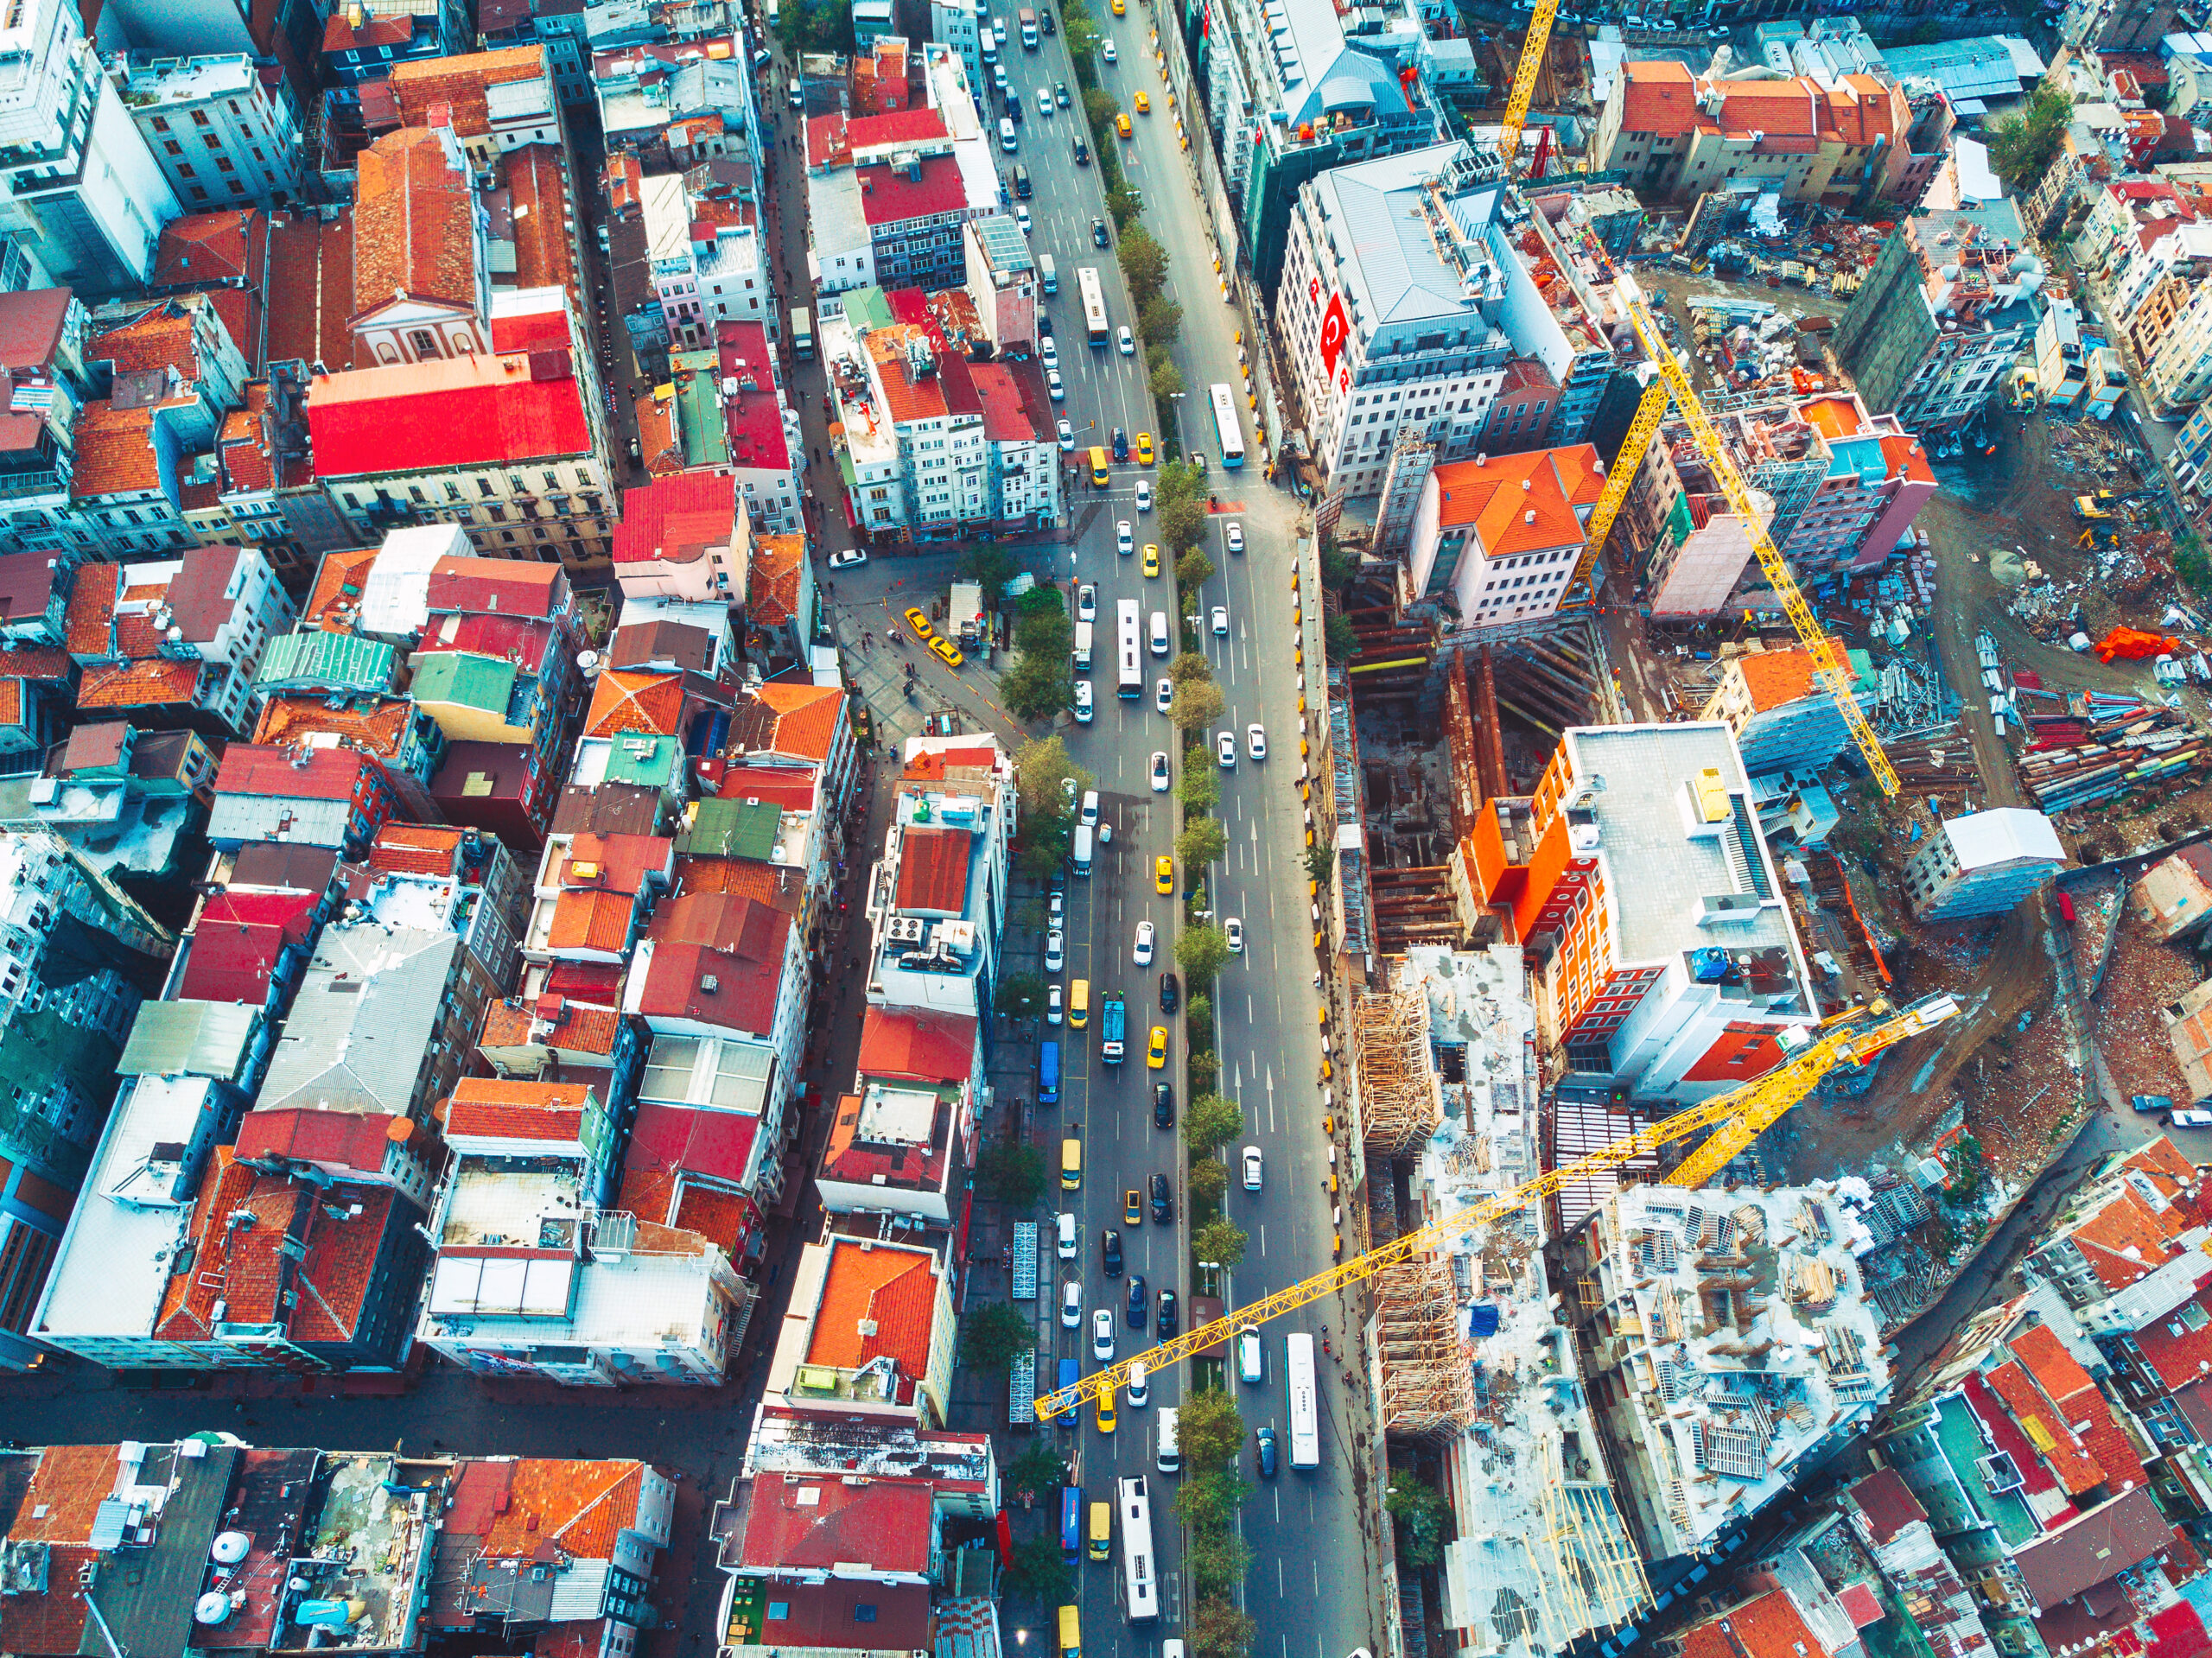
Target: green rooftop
pixel 644 762
pixel 1960 1436
pixel 466 679
pixel 732 828
pixel 868 309
pixel 699 425
pixel 321 661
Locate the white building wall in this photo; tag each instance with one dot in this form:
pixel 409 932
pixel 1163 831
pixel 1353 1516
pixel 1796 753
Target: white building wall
pixel 220 138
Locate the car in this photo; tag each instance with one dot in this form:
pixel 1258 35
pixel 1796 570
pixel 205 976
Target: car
pixel 1061 93
pixel 1086 710
pixel 1140 1303
pixel 1163 1106
pixel 1124 543
pixel 1171 993
pixel 1101 1335
pixel 1044 325
pixel 1083 156
pixel 1225 750
pixel 1233 534
pixel 1049 349
pixel 1220 622
pixel 1120 441
pixel 1064 1244
pixel 1071 1305
pixel 1155 1052
pixel 1144 448
pixel 948 650
pixel 1109 51
pixel 1144 495
pixel 1264 1450
pixel 1067 437
pixel 1055 950
pixel 1016 111
pixel 1140 1383
pixel 1120 7
pixel 2189 1119
pixel 1256 742
pixel 1252 1168
pixel 1068 789
pixel 1132 1211
pixel 1143 103
pixel 1055 1006
pixel 919 623
pixel 1044 100
pixel 998 77
pixel 1098 232
pixel 1056 910
pixel 1163 874
pixel 1159 775
pixel 1716 32
pixel 1151 558
pixel 2152 1101
pixel 1163 1201
pixel 1127 341
pixel 1233 931
pixel 1054 388
pixel 1106 1420
pixel 1145 937
pixel 847 559
pixel 1167 1323
pixel 1122 124
pixel 1251 1358
pixel 1164 699
pixel 1109 1253
pixel 1086 602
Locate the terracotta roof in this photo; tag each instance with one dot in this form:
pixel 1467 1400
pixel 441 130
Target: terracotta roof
pixel 1766 1626
pixel 669 1138
pixel 1488 496
pixel 248 457
pixel 88 620
pixel 746 982
pixel 581 1506
pixel 502 586
pixel 907 399
pixel 340 34
pixel 34 661
pixel 619 863
pixel 268 773
pixel 577 1028
pixel 1774 677
pixel 2178 1346
pixel 807 717
pixel 893 1288
pixel 752 419
pixel 660 444
pixel 678 644
pixel 1887 1503
pixel 674 520
pixel 416 849
pixel 225 255
pixel 901 127
pixel 447 415
pixel 67 1489
pixel 53 1622
pixel 150 681
pixel 791 787
pixel 633 702
pixel 339 572
pixel 2086 1549
pixel 1006 419
pixel 584 919
pixel 1658 96
pixel 459 84
pixel 890 196
pixel 773 588
pixel 348 1139
pixel 740 877
pixel 2071 1465
pixel 159 337
pixel 381 728
pixel 115 452
pixel 414 226
pixel 488 1121
pixel 933 869
pixel 917 1047
pixel 519 639
pixel 311 290
pixel 545 256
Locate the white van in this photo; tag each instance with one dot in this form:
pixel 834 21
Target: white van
pixel 1005 135
pixel 796 95
pixel 1169 1460
pixel 1160 632
pixel 1090 808
pixel 1066 1245
pixel 1251 1364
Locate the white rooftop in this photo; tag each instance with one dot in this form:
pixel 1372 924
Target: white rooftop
pixel 2000 836
pixel 395 594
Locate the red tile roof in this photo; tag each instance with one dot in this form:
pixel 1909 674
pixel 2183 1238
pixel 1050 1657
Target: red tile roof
pixel 635 701
pixel 446 416
pixel 674 520
pixel 53 1622
pixel 1658 96
pixel 2179 1346
pixel 1766 1626
pixel 268 773
pixel 561 1125
pixel 2073 1467
pixel 311 290
pixel 544 328
pixel 933 869
pixel 577 1028
pixel 461 83
pixel 414 226
pixel 415 849
pixel 907 399
pixel 67 1489
pixel 790 787
pixel 1004 419
pixel 807 717
pixel 346 1140
pixel 88 621
pixel 1488 496
pixel 746 977
pixel 239 939
pixel 718 1143
pixel 115 452
pixel 802 1525
pixel 249 459
pixel 918 1047
pixel 894 1289
pixel 890 195
pixel 158 337
pixel 753 416
pixel 581 1507
pixel 899 127
pixel 506 586
pixel 380 726
pixel 545 256
pixel 338 581
pixel 772 589
pixel 152 682
pixel 592 920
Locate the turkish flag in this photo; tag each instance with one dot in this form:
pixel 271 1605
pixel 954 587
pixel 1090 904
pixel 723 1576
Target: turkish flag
pixel 1333 329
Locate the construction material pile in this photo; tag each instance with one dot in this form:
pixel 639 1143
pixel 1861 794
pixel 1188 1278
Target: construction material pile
pixel 2103 747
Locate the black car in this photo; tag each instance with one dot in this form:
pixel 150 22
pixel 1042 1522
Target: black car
pixel 1098 232
pixel 1059 88
pixel 1163 1201
pixel 1167 1325
pixel 1136 1301
pixel 1014 106
pixel 1265 1437
pixel 1163 1106
pixel 1170 993
pixel 1110 1252
pixel 1083 159
pixel 1045 22
pixel 1121 444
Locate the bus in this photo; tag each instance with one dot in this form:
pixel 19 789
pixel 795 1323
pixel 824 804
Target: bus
pixel 1048 1073
pixel 1227 427
pixel 1072 1523
pixel 1142 1589
pixel 1130 647
pixel 1094 304
pixel 1303 1402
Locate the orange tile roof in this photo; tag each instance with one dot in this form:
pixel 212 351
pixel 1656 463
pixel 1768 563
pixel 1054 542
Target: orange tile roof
pixel 1774 677
pixel 807 715
pixel 460 83
pixel 414 848
pixel 658 443
pixel 88 621
pixel 2075 1469
pixel 414 226
pixel 2054 1368
pixel 1906 454
pixel 892 1287
pixel 248 459
pixel 1769 1626
pixel 1490 496
pixel 338 572
pixel 311 290
pixel 772 589
pixel 591 920
pixel 67 1489
pixel 1832 417
pixel 581 1506
pixel 144 683
pixel 505 1091
pixel 159 337
pixel 2126 1239
pixel 933 869
pixel 635 701
pixel 34 661
pixel 1659 96
pixel 723 1219
pixel 908 400
pixel 579 1028
pixel 381 729
pixel 740 878
pixel 115 452
pixel 544 256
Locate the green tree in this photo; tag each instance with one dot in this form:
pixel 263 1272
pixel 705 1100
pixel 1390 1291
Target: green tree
pixel 815 26
pixel 1203 1068
pixel 1161 318
pixel 1188 668
pixel 1216 1629
pixel 1081 35
pixel 1198 1014
pixel 1220 1241
pixel 1198 788
pixel 1098 110
pixel 1182 523
pixel 991 564
pixel 1044 633
pixel 1042 771
pixel 1038 1469
pixel 2022 146
pixel 1202 841
pixel 992 1335
pixel 1338 640
pixel 1044 599
pixel 1208 1179
pixel 1167 383
pixel 1038 1574
pixel 1210 1123
pixel 1124 201
pixel 1198 705
pixel 1044 845
pixel 1037 688
pixel 1321 863
pixel 1021 995
pixel 1210 1433
pixel 1199 951
pixel 1144 262
pixel 1217 1558
pixel 1337 566
pixel 1012 1174
pixel 1194 569
pixel 1418 1513
pixel 1207 1502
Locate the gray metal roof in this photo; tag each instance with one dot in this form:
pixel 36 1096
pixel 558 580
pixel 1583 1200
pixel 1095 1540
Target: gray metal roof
pixel 1392 265
pixel 363 1020
pixel 1004 245
pixel 237 818
pixel 197 1038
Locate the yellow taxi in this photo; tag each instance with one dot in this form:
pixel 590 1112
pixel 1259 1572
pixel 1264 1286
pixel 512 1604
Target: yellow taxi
pixel 949 650
pixel 1143 103
pixel 1152 558
pixel 1144 439
pixel 920 622
pixel 1122 124
pixel 1156 1056
pixel 1163 873
pixel 1132 1208
pixel 1120 7
pixel 1106 1400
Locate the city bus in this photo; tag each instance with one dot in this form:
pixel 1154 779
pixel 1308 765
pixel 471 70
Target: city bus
pixel 1139 1583
pixel 1094 304
pixel 1227 427
pixel 1129 647
pixel 1072 1523
pixel 1303 1403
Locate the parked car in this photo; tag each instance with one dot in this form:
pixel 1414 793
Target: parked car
pixel 1163 1105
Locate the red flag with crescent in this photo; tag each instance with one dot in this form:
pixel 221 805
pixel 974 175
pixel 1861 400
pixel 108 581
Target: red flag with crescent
pixel 1333 329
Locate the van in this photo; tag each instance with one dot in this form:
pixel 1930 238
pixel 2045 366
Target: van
pixel 1068 1378
pixel 1251 1364
pixel 1089 807
pixel 1079 1004
pixel 1005 135
pixel 1169 1460
pixel 1021 189
pixel 1070 1165
pixel 1048 274
pixel 1102 1531
pixel 1048 1073
pixel 1063 1245
pixel 1099 477
pixel 1160 632
pixel 1071 1632
pixel 796 96
pixel 1172 1649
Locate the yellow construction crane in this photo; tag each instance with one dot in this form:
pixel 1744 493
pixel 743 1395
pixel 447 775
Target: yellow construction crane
pixel 1739 1116
pixel 1627 462
pixel 1531 64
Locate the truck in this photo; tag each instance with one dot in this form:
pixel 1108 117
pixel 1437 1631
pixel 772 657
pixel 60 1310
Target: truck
pixel 1113 1024
pixel 802 334
pixel 1084 833
pixel 1028 28
pixel 1083 633
pixel 965 611
pixel 1048 274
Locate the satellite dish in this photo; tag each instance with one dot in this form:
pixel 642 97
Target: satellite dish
pixel 230 1547
pixel 211 1609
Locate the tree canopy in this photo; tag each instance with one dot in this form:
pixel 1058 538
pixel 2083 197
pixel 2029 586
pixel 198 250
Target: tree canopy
pixel 1210 1122
pixel 2022 146
pixel 1144 262
pixel 1199 951
pixel 992 1334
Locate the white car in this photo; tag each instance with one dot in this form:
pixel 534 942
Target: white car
pixel 1233 534
pixel 1220 622
pixel 1086 602
pixel 1084 711
pixel 847 559
pixel 1055 950
pixel 998 76
pixel 1071 1305
pixel 1022 217
pixel 1124 543
pixel 1233 929
pixel 1256 741
pixel 1065 1246
pixel 1225 746
pixel 1145 937
pixel 1044 100
pixel 1127 341
pixel 1049 349
pixel 1107 49
pixel 1144 495
pixel 1252 1168
pixel 1101 1335
pixel 1165 698
pixel 1160 770
pixel 1053 1006
pixel 1056 910
pixel 1053 388
pixel 1067 438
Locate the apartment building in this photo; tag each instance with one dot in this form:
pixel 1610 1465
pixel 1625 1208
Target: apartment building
pixel 177 644
pixel 1982 864
pixel 764 449
pixel 1502 536
pixel 887 194
pixel 2061 358
pixel 868 1336
pixel 1779 710
pixel 707 262
pixel 220 135
pixel 936 895
pixel 902 1142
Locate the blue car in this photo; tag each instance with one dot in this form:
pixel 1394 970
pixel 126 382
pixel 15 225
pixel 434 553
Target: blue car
pixel 1136 1301
pixel 1265 1437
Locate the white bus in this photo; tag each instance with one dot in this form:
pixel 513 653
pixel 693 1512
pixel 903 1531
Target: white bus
pixel 1094 304
pixel 1304 1404
pixel 1226 425
pixel 1139 1580
pixel 1131 647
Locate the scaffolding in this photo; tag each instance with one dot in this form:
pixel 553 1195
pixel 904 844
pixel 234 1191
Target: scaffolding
pixel 1428 1388
pixel 1590 1575
pixel 1400 1103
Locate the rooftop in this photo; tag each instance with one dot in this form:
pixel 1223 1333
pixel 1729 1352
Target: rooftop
pixel 449 415
pixel 359 1034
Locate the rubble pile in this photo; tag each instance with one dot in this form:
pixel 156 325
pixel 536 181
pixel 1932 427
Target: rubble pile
pixel 2098 746
pixel 2142 978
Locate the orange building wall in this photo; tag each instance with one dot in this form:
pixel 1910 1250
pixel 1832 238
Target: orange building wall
pixel 1741 1053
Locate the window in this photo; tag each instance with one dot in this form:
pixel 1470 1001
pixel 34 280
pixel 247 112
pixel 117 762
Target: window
pixel 225 163
pixel 185 168
pixel 200 119
pixel 172 146
pixel 198 193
